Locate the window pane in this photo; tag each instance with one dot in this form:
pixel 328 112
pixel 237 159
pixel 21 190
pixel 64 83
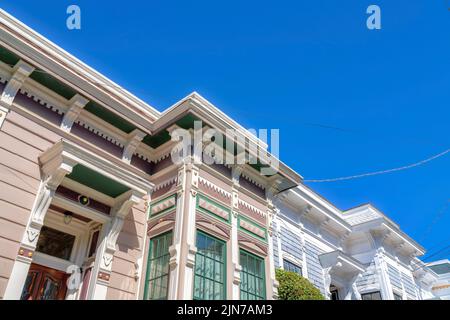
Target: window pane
pixel 289 266
pixel 158 267
pixel 209 279
pixel 371 296
pixel 252 277
pixel 55 243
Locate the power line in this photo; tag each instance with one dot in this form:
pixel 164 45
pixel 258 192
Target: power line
pixel 425 259
pixel 436 219
pixel 422 162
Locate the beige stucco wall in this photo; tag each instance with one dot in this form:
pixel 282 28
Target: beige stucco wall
pixel 21 143
pixel 123 284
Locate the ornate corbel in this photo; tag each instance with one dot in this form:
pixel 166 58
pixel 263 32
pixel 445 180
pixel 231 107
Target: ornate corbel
pixel 75 105
pixel 120 211
pixel 344 238
pixel 21 71
pixel 190 259
pixel 355 287
pixel 327 281
pixel 174 253
pixel 43 200
pixel 236 172
pixel 47 191
pixel 305 211
pixel 237 273
pixel 133 140
pixel 324 223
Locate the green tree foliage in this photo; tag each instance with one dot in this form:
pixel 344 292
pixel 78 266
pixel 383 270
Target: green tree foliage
pixel 294 287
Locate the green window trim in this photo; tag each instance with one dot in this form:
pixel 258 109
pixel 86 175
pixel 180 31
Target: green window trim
pixel 210 268
pixel 228 210
pixel 240 217
pixel 157 276
pixel 253 276
pixel 150 215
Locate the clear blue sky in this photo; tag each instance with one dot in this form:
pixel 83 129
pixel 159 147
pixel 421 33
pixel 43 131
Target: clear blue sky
pixel 347 100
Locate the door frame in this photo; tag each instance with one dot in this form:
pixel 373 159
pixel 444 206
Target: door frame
pixel 81 231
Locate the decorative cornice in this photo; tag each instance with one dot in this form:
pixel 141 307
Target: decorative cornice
pixel 214 187
pixel 165 183
pixel 252 178
pixel 65 150
pixel 41 101
pixel 100 133
pixel 251 208
pixel 72 71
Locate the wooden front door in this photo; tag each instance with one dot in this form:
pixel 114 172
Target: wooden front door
pixel 44 283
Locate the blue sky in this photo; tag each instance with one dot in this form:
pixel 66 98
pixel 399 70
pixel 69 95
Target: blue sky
pixel 347 100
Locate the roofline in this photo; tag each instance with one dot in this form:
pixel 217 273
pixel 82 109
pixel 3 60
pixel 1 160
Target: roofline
pixel 390 223
pixel 67 68
pixel 437 262
pixel 199 105
pixel 321 204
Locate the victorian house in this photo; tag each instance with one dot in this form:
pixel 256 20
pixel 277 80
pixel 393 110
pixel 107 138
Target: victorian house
pixel 92 205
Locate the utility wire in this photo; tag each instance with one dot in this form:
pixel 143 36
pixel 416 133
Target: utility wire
pixel 422 162
pixel 425 259
pixel 436 219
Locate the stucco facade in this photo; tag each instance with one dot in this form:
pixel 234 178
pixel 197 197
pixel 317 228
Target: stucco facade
pixel 93 206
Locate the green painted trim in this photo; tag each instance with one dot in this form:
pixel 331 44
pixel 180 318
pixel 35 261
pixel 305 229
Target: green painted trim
pixel 203 196
pixel 261 259
pixel 241 217
pixel 161 137
pixel 53 84
pixel 109 116
pixel 165 210
pixel 147 274
pixel 225 269
pixel 96 181
pixel 8 57
pixel 157 140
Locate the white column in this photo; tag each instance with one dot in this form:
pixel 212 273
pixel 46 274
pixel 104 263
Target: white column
pixel 175 248
pixel 385 283
pixel 29 240
pixel 233 264
pixel 183 250
pixel 272 283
